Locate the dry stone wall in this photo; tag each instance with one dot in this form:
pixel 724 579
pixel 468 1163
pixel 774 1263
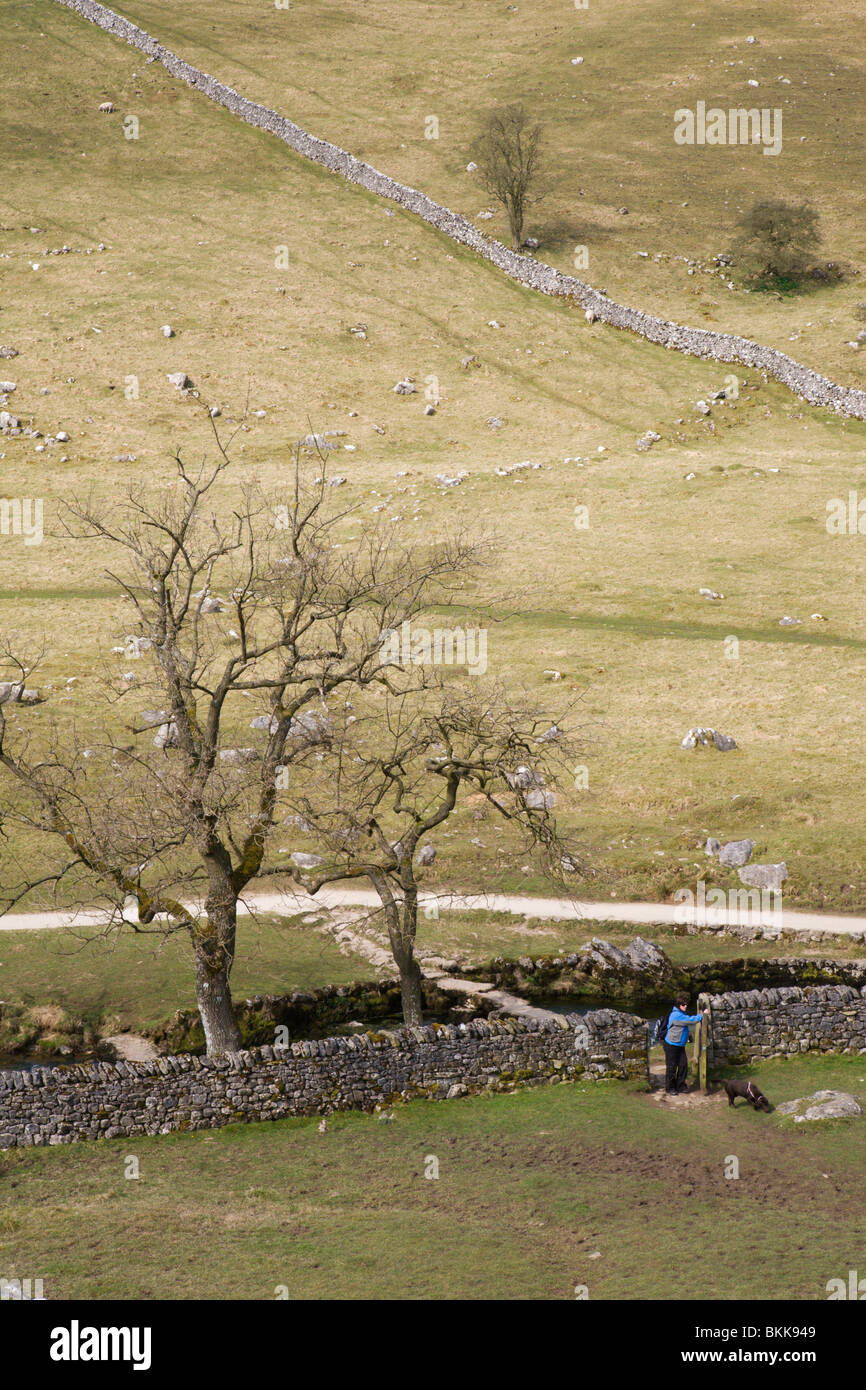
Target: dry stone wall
pixel 786 1022
pixel 693 342
pixel 110 1100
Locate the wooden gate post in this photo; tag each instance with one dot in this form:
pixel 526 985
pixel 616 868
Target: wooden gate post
pixel 702 1042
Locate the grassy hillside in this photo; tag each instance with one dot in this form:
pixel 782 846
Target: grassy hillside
pixel 191 215
pixel 368 77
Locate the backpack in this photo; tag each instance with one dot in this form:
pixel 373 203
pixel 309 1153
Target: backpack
pixel 658 1029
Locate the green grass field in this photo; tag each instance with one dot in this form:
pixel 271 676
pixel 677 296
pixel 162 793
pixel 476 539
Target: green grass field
pixel 531 1185
pixel 125 982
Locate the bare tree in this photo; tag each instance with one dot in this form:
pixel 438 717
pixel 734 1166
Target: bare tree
pixel 400 767
pixel 169 828
pixel 507 150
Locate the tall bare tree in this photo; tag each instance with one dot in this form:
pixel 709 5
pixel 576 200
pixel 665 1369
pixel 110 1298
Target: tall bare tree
pixel 507 150
pixel 401 765
pixel 169 828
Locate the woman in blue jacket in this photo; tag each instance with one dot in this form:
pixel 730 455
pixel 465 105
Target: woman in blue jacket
pixel 676 1038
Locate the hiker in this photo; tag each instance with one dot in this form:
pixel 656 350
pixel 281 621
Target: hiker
pixel 675 1040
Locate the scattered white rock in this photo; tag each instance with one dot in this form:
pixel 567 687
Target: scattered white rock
pixel 823 1105
pixel 736 853
pixel 167 331
pixel 700 737
pixel 306 861
pixel 647 440
pixel 524 777
pixel 540 800
pixel 764 875
pixel 167 736
pixel 236 757
pixel 517 468
pixel 268 722
pixel 318 441
pixel 180 380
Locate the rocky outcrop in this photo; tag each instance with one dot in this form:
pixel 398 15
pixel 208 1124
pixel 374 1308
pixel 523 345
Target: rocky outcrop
pixel 823 1105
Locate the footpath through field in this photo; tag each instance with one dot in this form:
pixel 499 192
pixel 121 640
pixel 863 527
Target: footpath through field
pixel 290 901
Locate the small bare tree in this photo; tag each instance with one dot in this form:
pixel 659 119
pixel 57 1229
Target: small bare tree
pixel 162 813
pixel 401 768
pixel 507 150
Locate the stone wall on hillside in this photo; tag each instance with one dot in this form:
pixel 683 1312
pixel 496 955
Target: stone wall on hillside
pixel 693 342
pixel 787 1022
pixel 110 1100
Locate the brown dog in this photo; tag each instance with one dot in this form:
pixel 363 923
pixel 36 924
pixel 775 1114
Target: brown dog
pixel 756 1098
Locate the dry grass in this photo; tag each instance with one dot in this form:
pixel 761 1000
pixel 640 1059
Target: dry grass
pixel 191 215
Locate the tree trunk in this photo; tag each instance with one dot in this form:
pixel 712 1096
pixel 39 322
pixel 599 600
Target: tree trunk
pixel 214 1000
pixel 515 221
pixel 402 920
pixel 411 996
pixel 214 942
